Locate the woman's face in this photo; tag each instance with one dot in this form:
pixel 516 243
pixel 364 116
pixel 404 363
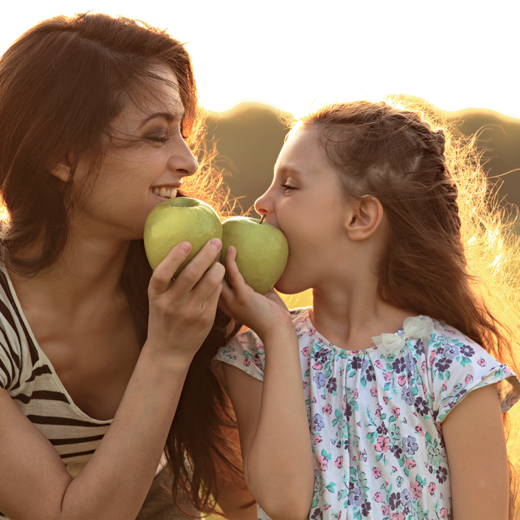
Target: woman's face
pixel 145 164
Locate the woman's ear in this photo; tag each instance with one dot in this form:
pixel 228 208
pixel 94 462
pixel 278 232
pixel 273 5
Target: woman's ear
pixel 363 218
pixel 61 168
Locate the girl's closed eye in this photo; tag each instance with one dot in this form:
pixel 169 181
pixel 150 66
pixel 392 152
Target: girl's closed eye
pixel 287 187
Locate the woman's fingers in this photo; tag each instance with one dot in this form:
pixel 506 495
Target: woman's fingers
pixel 203 263
pixel 164 272
pixel 191 274
pixel 209 283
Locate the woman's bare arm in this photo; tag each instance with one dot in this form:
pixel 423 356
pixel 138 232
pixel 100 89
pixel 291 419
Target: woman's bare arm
pixel 113 485
pixel 475 444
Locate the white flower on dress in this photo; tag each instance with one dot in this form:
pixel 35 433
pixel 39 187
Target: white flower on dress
pixel 416 328
pixel 392 341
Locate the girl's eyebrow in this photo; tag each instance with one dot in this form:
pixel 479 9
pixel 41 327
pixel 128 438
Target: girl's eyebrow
pixel 288 170
pixel 164 115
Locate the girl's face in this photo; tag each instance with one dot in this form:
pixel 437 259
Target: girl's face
pixel 306 202
pixel 144 165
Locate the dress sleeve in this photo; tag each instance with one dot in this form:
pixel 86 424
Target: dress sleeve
pixel 244 351
pixel 458 365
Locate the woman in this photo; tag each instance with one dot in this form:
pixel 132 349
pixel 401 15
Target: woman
pixel 96 118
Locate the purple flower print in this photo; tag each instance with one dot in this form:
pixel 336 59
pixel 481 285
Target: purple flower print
pixel 467 351
pixel 459 394
pixel 354 497
pixel 451 351
pixel 322 356
pixel 399 365
pixel 442 474
pixel 319 379
pixel 406 497
pixel 406 395
pixel 357 362
pixel 365 508
pixel 318 423
pixel 382 429
pixel 443 364
pixel 371 376
pixel 394 501
pixel 331 385
pixel 317 515
pixel 419 346
pixel 421 405
pixel 397 451
pixel 348 410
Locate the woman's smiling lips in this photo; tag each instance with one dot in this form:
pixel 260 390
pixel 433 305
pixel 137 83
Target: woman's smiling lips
pixel 164 192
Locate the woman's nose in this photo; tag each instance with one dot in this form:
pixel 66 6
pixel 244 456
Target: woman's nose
pixel 183 161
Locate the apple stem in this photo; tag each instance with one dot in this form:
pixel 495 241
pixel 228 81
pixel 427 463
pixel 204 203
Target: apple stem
pixel 263 218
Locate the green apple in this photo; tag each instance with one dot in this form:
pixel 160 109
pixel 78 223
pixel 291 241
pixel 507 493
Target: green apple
pixel 177 220
pixel 262 251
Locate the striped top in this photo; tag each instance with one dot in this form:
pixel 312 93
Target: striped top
pixel 29 377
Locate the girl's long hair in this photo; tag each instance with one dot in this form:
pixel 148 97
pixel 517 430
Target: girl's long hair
pixel 62 83
pixel 451 252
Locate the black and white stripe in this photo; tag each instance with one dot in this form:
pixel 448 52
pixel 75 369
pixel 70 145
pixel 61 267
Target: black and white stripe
pixel 28 376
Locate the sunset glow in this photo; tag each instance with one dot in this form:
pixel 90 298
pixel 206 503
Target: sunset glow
pixel 289 54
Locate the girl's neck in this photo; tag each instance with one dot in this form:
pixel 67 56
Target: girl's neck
pixel 350 318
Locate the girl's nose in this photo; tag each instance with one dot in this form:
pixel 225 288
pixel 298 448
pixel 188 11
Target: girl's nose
pixel 263 205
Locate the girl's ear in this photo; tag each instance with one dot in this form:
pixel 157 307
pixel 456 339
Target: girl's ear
pixel 363 217
pixel 61 168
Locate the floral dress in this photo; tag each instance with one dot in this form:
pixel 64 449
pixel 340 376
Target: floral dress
pixel 375 415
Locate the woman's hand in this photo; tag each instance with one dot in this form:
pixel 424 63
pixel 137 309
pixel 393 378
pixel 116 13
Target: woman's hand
pixel 182 311
pixel 260 313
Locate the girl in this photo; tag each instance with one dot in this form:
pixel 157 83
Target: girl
pixel 96 115
pixel 399 355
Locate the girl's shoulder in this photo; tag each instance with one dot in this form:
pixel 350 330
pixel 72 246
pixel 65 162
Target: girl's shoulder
pixel 246 350
pixel 456 365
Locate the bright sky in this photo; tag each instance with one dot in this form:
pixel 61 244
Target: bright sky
pixel 291 53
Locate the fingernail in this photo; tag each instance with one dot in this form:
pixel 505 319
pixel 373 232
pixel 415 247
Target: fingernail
pixel 216 243
pixel 185 247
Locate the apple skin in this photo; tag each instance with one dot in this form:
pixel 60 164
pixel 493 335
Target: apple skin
pixel 262 251
pixel 177 220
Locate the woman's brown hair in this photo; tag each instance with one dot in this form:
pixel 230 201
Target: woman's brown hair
pixel 62 83
pixel 441 257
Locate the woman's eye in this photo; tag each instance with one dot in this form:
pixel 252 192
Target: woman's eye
pixel 288 187
pixel 159 139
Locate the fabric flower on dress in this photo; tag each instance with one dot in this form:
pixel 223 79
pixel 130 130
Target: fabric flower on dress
pixel 416 328
pixel 392 341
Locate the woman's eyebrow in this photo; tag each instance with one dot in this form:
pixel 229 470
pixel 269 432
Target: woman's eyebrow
pixel 164 115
